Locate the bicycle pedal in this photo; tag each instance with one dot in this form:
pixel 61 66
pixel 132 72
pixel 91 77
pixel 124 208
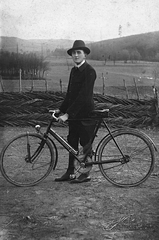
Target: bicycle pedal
pixel 72 176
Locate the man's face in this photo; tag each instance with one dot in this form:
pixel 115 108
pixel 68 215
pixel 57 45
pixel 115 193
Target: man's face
pixel 78 56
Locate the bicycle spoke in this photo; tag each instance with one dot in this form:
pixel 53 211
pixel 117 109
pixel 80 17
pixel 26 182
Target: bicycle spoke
pixel 137 163
pixel 22 164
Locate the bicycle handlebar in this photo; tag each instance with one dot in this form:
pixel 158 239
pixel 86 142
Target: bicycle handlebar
pixel 101 113
pixel 53 112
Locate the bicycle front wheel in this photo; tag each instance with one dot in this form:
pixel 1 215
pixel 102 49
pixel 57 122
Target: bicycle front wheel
pixel 129 157
pixel 26 160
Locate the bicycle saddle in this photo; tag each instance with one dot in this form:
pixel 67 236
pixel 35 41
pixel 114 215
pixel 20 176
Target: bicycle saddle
pixel 101 112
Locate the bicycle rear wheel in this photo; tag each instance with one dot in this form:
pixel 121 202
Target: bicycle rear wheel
pixel 132 164
pixel 21 170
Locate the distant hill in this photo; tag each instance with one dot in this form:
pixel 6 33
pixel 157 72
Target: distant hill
pixel 13 44
pixel 147 39
pixel 146 44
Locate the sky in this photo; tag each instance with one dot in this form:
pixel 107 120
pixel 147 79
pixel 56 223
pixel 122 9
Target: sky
pixel 89 20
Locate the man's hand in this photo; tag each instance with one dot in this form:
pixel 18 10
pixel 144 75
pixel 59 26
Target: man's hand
pixel 63 118
pixel 57 110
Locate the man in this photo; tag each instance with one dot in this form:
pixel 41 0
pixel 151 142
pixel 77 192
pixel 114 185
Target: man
pixel 77 105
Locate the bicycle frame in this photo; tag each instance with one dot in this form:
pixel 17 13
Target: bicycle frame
pixel 131 151
pixel 74 152
pixel 64 143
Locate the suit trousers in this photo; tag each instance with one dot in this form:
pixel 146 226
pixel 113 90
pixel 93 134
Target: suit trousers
pixel 80 132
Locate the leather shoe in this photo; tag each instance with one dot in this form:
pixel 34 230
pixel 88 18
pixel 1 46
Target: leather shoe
pixel 82 178
pixel 66 177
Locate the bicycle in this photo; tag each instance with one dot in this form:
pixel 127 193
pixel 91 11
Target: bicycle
pixel 125 156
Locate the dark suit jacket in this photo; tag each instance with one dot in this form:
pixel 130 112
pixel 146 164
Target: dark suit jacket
pixel 78 102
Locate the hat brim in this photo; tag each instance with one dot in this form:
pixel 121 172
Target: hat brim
pixel 85 49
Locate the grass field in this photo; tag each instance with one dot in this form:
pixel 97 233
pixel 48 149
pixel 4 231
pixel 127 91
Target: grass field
pixel 113 75
pixel 117 78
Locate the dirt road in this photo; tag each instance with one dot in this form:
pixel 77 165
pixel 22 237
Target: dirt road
pixel 95 210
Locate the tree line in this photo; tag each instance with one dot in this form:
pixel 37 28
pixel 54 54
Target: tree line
pixel 124 55
pixel 31 65
pixel 132 54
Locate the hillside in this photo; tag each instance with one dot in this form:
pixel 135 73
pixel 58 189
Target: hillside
pixel 136 47
pixel 147 45
pixel 150 39
pixel 13 44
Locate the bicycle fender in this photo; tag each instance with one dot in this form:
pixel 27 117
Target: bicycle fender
pixel 96 150
pixel 56 152
pixel 54 147
pixel 146 136
pixel 150 139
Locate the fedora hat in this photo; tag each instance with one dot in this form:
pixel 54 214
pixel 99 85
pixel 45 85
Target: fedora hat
pixel 79 45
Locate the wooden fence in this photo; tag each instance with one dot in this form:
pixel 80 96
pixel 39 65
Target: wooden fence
pixel 22 109
pixel 46 85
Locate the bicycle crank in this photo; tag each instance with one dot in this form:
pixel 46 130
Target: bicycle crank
pixel 80 167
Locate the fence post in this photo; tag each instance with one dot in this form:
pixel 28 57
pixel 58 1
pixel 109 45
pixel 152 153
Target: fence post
pixel 103 78
pixel 20 80
pixel 155 91
pixel 127 96
pixel 156 99
pixel 46 86
pixel 1 83
pixel 32 83
pixel 61 85
pixel 136 88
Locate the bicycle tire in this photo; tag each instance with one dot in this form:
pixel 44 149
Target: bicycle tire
pixel 137 148
pixel 19 172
